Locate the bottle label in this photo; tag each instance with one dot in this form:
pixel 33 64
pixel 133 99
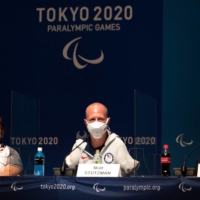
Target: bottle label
pixel 97 159
pixel 39 161
pixel 165 160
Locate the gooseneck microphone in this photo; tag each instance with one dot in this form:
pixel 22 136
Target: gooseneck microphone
pixel 62 169
pixel 184 168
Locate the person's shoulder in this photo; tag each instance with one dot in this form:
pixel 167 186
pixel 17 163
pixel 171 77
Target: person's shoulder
pixel 81 140
pixel 80 143
pixel 12 149
pixel 114 136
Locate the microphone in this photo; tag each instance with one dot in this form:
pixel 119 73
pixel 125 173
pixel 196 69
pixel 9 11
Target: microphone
pixel 62 169
pixel 184 168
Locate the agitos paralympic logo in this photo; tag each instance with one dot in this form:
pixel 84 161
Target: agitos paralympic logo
pixel 74 58
pixel 179 139
pixel 15 188
pixel 183 188
pixel 96 187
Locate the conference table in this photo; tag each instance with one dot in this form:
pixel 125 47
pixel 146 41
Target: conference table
pixel 65 187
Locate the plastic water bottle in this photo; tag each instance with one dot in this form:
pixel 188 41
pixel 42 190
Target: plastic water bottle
pixel 97 157
pixel 165 161
pixel 39 163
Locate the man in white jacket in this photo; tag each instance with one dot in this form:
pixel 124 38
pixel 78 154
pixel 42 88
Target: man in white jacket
pixel 112 148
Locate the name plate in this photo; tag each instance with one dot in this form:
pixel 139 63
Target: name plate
pixel 98 170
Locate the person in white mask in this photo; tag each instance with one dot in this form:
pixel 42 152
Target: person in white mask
pixel 112 148
pixel 10 161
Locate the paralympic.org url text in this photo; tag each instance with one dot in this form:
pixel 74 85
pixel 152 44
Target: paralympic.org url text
pixel 141 187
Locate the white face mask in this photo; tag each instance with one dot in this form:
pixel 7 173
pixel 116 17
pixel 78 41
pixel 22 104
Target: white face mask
pixel 97 129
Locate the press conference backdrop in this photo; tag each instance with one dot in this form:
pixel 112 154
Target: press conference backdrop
pixel 62 56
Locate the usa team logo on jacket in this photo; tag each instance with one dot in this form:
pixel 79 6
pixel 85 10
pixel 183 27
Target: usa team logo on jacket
pixel 108 158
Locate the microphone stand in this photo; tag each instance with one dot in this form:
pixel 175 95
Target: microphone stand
pixel 62 169
pixel 184 168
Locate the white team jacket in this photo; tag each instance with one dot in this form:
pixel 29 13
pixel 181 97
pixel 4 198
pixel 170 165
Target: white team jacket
pixel 114 151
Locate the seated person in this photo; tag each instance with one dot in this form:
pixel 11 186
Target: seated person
pixel 112 148
pixel 10 162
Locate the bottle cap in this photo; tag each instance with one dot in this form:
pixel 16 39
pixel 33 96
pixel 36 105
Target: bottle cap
pixel 166 146
pixel 39 149
pixel 97 151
